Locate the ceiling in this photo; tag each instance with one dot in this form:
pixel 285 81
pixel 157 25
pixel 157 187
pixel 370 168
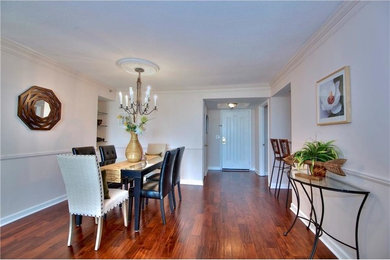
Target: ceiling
pixel 221 103
pixel 198 45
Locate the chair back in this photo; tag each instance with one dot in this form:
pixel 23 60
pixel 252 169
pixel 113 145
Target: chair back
pixel 165 184
pixel 156 149
pixel 83 184
pixel 84 150
pixel 176 167
pixel 107 154
pixel 284 147
pixel 275 147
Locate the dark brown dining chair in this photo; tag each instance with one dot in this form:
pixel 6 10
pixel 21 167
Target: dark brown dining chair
pixel 158 189
pixel 175 175
pixel 108 156
pixel 285 152
pixel 277 158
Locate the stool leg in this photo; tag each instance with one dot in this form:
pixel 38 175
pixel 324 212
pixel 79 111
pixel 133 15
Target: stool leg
pixel 272 174
pixel 280 182
pixel 277 178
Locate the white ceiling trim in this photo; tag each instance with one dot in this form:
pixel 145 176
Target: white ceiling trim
pixel 226 88
pixel 16 48
pixel 332 25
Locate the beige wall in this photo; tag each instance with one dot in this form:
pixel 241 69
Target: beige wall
pixel 30 178
pixel 361 41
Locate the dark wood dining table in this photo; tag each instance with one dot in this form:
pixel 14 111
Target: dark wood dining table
pixel 137 171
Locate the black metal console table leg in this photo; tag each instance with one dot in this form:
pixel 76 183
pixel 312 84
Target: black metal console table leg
pixel 311 208
pixel 295 188
pixel 357 226
pixel 319 227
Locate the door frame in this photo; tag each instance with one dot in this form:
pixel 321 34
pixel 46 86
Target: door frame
pixel 263 155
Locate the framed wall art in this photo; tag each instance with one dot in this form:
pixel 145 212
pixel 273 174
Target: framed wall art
pixel 334 98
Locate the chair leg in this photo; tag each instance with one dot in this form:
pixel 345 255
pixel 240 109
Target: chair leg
pixel 179 190
pixel 99 233
pixel 280 182
pixel 130 209
pixel 71 224
pixel 142 203
pixel 277 178
pixel 146 201
pixel 173 196
pixel 124 212
pixel 162 210
pixel 79 220
pixel 272 174
pixel 171 206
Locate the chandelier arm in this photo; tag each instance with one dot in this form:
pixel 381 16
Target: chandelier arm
pixel 154 109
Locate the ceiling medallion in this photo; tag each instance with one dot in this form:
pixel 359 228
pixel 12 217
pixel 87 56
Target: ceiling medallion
pixel 132 66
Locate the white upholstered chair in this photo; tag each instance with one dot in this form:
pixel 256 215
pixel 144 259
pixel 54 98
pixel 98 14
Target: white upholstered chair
pixel 84 188
pixel 154 149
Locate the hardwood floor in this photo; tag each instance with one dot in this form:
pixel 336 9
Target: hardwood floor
pixel 233 215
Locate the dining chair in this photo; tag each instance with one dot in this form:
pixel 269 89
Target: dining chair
pixel 175 175
pixel 285 152
pixel 82 150
pixel 155 149
pixel 84 189
pixel 158 189
pixel 108 156
pixel 277 158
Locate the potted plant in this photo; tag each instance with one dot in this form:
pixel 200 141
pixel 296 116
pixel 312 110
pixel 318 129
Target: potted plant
pixel 320 156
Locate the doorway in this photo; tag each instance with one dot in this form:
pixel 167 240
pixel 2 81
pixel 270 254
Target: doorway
pixel 236 139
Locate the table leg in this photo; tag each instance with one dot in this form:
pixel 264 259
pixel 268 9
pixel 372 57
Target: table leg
pixel 311 209
pixel 357 226
pixel 137 202
pixel 319 227
pixel 295 188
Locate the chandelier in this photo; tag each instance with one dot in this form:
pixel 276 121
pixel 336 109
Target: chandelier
pixel 133 104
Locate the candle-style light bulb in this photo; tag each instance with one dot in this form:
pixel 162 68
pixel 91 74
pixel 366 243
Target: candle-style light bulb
pixel 155 100
pixel 148 91
pixel 131 94
pixel 120 98
pixel 127 100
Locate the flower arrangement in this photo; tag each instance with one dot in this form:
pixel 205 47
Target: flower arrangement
pixel 136 126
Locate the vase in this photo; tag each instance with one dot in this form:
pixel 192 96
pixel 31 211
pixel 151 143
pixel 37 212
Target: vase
pixel 134 149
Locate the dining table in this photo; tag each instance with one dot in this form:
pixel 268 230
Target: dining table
pixel 116 172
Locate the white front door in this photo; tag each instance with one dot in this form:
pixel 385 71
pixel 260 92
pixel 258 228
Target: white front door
pixel 236 138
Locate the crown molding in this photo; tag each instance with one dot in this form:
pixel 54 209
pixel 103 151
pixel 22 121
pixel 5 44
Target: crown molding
pixel 222 88
pixel 347 10
pixel 15 48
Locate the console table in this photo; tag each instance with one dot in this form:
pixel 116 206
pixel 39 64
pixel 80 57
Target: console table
pixel 330 184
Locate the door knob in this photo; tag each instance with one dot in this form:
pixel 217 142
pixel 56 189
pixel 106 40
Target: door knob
pixel 223 140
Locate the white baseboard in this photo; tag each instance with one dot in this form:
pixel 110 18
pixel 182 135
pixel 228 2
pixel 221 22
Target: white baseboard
pixel 214 168
pixel 283 186
pixel 191 182
pixel 331 244
pixel 24 213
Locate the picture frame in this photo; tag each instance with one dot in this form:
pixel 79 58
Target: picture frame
pixel 333 98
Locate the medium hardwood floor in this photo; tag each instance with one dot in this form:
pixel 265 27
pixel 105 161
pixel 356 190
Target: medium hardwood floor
pixel 233 215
